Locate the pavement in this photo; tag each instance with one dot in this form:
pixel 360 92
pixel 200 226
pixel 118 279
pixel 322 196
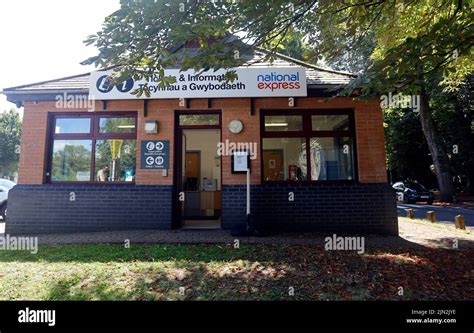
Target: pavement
pixel 443 214
pixel 413 235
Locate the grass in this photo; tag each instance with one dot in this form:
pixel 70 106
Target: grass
pixel 428 223
pixel 213 272
pixel 113 272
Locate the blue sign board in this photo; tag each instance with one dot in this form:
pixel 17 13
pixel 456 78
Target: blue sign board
pixel 155 154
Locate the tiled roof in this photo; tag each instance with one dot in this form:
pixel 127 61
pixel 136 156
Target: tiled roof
pixel 316 76
pixel 76 82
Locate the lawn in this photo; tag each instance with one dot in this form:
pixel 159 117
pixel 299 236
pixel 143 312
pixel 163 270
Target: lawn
pixel 252 272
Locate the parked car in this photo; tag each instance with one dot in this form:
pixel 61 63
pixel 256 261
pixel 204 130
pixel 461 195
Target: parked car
pixel 411 192
pixel 5 186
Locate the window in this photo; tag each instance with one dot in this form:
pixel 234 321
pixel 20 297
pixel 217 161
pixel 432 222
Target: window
pixel 308 145
pixel 117 157
pixel 284 158
pixel 330 122
pixel 283 123
pixel 72 160
pixel 199 120
pixel 116 125
pixel 98 148
pixel 331 158
pixel 73 125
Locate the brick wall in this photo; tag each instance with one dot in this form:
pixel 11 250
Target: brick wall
pixel 368 118
pixel 345 208
pixel 48 208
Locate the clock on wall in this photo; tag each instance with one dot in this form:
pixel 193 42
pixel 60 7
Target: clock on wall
pixel 236 126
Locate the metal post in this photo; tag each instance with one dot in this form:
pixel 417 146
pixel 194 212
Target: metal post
pixel 248 193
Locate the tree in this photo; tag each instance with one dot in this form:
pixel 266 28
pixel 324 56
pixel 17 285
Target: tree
pixel 10 136
pixel 294 45
pixel 453 115
pixel 407 152
pixel 413 41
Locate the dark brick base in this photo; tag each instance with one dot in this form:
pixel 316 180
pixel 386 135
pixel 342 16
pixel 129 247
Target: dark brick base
pixel 47 208
pixel 343 208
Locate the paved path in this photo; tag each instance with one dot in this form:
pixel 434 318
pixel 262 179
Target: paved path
pixel 443 214
pixel 412 235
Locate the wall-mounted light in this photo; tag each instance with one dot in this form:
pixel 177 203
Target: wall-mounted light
pixel 151 127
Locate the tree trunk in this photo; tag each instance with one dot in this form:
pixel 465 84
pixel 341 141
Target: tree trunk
pixel 438 152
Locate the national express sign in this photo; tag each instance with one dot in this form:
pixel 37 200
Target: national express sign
pixel 251 82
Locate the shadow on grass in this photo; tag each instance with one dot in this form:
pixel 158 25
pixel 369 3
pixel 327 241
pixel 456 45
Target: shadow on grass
pixel 312 273
pixel 72 289
pixel 199 284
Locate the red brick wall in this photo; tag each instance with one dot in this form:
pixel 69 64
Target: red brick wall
pixel 368 117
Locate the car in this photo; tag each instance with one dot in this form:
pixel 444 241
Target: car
pixel 412 192
pixel 5 186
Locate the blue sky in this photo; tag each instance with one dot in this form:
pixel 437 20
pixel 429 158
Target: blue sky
pixel 42 39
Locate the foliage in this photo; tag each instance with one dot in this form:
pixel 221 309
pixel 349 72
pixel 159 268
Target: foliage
pixel 294 45
pixel 141 36
pixel 10 136
pixel 407 152
pixel 453 113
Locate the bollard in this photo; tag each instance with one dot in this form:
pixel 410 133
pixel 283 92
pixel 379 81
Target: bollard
pixel 410 213
pixel 459 222
pixel 431 216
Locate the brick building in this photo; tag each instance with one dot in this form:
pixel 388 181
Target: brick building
pixel 318 162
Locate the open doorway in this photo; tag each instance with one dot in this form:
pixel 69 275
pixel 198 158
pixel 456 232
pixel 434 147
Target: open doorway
pixel 199 178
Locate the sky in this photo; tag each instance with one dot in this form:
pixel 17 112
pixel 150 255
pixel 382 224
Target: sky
pixel 43 39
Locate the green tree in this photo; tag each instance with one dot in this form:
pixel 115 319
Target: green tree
pixel 413 41
pixel 10 136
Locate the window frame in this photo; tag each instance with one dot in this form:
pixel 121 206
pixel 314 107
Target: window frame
pixel 307 133
pixel 93 136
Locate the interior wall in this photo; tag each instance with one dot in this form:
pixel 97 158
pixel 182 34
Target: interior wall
pixel 206 142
